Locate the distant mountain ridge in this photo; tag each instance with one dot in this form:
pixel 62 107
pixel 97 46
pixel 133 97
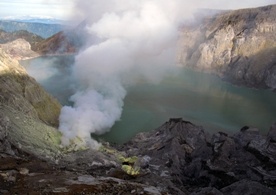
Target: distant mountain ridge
pixel 42 29
pixel 34 19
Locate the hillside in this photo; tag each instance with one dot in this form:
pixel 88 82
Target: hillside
pixel 240 46
pixel 19 49
pixel 67 41
pixel 60 43
pixel 33 39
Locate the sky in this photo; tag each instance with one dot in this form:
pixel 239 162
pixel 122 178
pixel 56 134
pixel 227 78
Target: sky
pixel 64 9
pixel 59 9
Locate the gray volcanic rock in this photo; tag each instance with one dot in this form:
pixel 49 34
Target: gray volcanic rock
pixel 28 114
pixel 239 45
pixel 182 155
pixel 19 49
pixel 247 187
pixel 33 39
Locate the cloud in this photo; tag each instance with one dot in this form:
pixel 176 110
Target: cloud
pixel 60 9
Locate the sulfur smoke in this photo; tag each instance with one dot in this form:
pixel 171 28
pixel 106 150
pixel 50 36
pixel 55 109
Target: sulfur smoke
pixel 135 40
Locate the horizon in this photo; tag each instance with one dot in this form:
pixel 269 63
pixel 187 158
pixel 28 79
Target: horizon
pixel 67 9
pixel 60 9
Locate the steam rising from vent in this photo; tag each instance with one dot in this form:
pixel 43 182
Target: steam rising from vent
pixel 135 39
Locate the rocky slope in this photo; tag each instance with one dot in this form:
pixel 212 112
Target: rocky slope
pixel 182 157
pixel 25 104
pixel 63 42
pixel 67 41
pixel 240 46
pixel 60 43
pixel 19 49
pixel 6 37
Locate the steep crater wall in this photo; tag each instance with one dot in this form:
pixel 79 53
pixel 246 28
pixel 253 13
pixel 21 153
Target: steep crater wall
pixel 28 114
pixel 240 46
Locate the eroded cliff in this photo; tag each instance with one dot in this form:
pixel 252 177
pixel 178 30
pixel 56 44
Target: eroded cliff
pixel 19 49
pixel 238 45
pixel 28 114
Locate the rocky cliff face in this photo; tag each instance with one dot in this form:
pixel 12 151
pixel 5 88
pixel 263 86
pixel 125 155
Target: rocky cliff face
pixel 33 39
pixel 19 49
pixel 27 113
pixel 60 43
pixel 238 45
pixel 63 42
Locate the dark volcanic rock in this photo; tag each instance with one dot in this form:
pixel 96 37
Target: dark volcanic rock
pixel 246 187
pixel 272 133
pixel 176 158
pixel 183 153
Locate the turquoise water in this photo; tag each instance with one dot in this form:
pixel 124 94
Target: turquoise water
pixel 195 96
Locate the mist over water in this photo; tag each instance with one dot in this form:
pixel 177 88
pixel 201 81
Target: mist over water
pixel 54 73
pixel 201 98
pixel 195 96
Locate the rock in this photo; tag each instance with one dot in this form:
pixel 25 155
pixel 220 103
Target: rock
pixel 19 49
pixel 264 148
pixel 23 171
pixel 247 134
pixel 237 45
pixel 247 187
pixel 9 176
pixel 28 114
pixel 4 126
pixel 272 133
pixel 152 190
pixel 144 161
pixel 60 190
pixel 208 190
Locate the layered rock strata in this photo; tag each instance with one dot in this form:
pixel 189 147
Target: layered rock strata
pixel 240 46
pixel 28 114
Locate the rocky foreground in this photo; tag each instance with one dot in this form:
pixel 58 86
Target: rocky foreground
pixel 176 158
pixel 185 159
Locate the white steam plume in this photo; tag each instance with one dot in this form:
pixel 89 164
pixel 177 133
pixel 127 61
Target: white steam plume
pixel 137 39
